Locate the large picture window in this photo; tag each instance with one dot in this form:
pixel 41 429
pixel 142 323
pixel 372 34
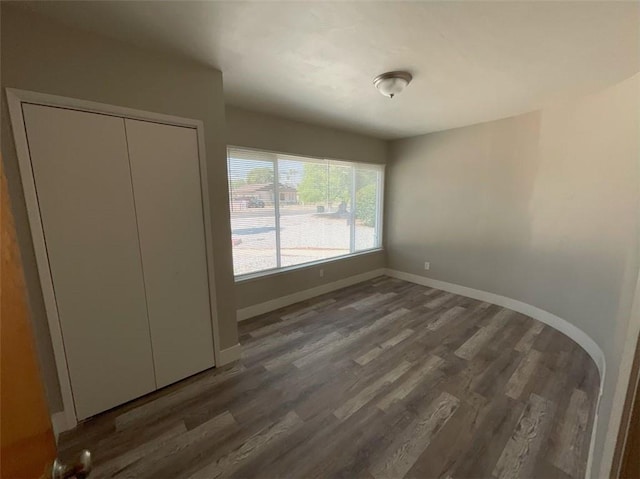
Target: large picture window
pixel 289 210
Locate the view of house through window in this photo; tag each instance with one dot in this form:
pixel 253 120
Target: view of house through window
pixel 288 210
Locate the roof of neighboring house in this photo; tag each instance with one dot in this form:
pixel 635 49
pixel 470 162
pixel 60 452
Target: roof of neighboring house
pixel 256 187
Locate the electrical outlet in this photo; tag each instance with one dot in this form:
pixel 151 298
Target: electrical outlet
pixel 427 265
pixel 321 273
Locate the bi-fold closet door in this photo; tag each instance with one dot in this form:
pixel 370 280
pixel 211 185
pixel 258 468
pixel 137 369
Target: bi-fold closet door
pixel 120 202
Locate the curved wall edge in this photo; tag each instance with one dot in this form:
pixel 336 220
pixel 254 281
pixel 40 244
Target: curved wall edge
pixel 562 325
pixel 557 323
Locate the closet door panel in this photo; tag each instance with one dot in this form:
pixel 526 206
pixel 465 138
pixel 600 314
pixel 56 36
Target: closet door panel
pixel 166 177
pixel 82 176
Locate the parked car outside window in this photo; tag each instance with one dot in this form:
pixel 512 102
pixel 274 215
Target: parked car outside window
pixel 255 203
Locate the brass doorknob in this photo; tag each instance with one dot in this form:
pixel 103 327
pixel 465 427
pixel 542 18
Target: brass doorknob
pixel 79 470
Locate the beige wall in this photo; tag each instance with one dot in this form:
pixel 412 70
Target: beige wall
pixel 40 55
pixel 268 132
pixel 258 290
pixel 542 208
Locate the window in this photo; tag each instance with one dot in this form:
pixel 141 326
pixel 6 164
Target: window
pixel 289 210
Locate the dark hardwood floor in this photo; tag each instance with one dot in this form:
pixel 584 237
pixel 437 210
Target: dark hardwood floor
pixel 384 379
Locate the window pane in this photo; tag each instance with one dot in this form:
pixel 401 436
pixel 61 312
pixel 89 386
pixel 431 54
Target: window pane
pixel 315 213
pixel 253 223
pixel 315 210
pixel 367 230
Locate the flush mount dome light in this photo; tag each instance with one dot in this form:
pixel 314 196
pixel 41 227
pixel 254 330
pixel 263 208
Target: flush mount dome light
pixel 392 83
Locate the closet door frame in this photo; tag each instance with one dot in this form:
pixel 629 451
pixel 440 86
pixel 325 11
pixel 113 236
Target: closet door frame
pixel 15 98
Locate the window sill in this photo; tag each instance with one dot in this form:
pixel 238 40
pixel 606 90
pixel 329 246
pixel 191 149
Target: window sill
pixel 274 272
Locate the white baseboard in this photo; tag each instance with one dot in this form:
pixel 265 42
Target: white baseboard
pixel 568 329
pixel 272 305
pixel 59 423
pixel 565 327
pixel 230 355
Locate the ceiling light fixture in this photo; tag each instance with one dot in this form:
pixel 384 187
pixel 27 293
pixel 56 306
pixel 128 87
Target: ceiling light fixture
pixel 392 83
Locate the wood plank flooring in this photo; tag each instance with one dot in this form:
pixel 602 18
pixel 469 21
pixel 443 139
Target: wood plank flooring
pixel 384 379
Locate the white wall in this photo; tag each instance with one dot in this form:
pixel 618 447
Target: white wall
pixel 542 208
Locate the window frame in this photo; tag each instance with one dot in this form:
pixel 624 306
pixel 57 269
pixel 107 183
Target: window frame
pixel 379 233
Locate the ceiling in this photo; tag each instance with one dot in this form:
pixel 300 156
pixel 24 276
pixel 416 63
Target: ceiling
pixel 315 61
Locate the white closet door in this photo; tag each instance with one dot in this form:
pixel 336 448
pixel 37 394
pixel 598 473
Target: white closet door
pixel 166 177
pixel 83 183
